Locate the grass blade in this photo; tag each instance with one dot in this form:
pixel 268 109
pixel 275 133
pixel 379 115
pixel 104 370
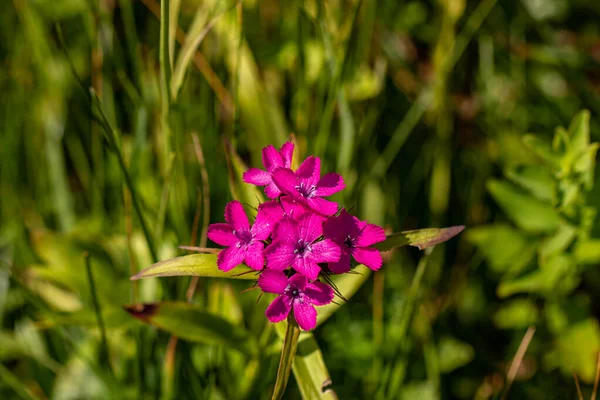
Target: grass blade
pixel 194 265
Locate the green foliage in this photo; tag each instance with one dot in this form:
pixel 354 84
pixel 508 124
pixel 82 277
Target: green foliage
pixel 421 105
pixel 548 251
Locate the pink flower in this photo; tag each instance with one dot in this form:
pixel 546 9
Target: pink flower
pixel 353 236
pixel 307 186
pixel 295 244
pixel 245 242
pixel 285 207
pixel 295 293
pixel 272 159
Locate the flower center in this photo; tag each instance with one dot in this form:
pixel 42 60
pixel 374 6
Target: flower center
pixel 307 191
pixel 350 242
pixel 294 292
pixel 244 236
pixel 302 248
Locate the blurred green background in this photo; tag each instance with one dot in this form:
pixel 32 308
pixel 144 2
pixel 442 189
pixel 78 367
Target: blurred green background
pixel 425 108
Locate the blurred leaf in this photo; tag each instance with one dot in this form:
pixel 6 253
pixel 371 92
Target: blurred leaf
pixel 204 265
pixel 527 212
pixel 11 380
pixel 454 354
pixel 555 275
pixel 558 242
pixel 579 133
pixel 542 149
pixel 192 322
pixel 535 179
pixel 113 317
pixel 516 314
pixel 504 247
pixel 577 348
pixel 588 251
pixel 421 238
pixel 585 165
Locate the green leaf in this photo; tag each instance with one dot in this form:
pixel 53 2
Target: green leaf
pixel 516 314
pixel 558 242
pixel 579 133
pixel 542 149
pixel 588 251
pixel 527 212
pixel 535 179
pixel 204 265
pixel 192 322
pixel 454 354
pixel 505 248
pixel 421 238
pixel 577 350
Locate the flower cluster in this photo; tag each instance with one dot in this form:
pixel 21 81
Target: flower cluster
pixel 296 237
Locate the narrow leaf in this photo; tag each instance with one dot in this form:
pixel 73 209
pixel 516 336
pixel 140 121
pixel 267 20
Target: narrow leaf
pixel 421 238
pixel 194 265
pixel 192 322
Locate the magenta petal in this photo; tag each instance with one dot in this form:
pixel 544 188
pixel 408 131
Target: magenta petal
pixel 279 309
pixel 280 256
pixel 322 206
pixel 272 191
pixel 325 251
pixel 305 315
pixel 329 184
pixel 272 281
pixel 369 235
pixel 222 234
pixel 287 150
pixel 254 257
pixel 264 223
pixel 236 216
pixel 309 171
pixel 306 267
pixel 230 258
pixel 368 256
pixel 271 158
pixel 319 293
pixel 298 281
pixel 310 227
pixel 256 177
pixel 286 181
pixel 341 266
pixel 286 231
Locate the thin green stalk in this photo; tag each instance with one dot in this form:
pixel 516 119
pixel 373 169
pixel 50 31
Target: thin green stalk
pixel 104 353
pixel 396 376
pixel 288 351
pixel 165 83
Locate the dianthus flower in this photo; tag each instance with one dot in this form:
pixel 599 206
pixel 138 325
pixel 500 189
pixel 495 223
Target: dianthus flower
pixel 245 242
pixel 285 207
pixel 306 185
pixel 354 237
pixel 296 244
pixel 296 294
pixel 272 159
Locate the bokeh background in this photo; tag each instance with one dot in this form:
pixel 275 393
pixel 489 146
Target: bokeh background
pixel 423 106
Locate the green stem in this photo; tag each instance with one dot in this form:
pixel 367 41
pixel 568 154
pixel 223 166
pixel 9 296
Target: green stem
pixel 290 343
pixel 104 350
